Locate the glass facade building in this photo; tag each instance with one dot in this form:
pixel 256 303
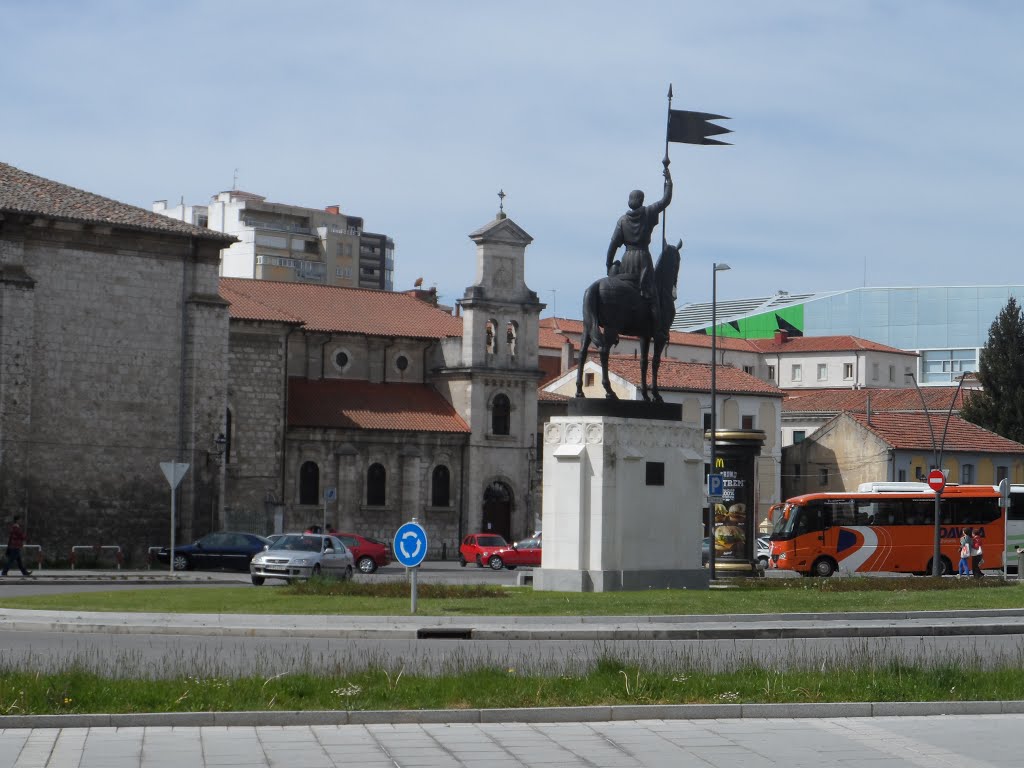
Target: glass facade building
pixel 946 325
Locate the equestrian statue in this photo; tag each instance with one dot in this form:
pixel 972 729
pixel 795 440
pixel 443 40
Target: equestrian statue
pixel 637 298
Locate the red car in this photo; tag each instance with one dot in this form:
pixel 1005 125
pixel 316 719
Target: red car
pixel 367 554
pixel 477 547
pixel 525 552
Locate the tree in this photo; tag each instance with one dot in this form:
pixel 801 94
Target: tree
pixel 999 407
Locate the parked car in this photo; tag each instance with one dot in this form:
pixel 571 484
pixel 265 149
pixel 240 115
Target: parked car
pixel 369 554
pixel 298 556
pixel 476 547
pixel 525 552
pixel 217 550
pixel 705 551
pixel 764 551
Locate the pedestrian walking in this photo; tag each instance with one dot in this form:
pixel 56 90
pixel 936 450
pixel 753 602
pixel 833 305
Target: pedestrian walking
pixel 15 541
pixel 976 554
pixel 965 554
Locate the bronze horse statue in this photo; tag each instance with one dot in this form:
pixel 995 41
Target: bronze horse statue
pixel 613 306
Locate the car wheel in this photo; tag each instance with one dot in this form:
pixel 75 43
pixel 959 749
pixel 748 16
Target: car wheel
pixel 181 562
pixel 462 561
pixel 479 562
pixel 257 581
pixel 763 562
pixel 366 564
pixel 823 567
pixel 349 573
pixel 495 563
pixel 316 570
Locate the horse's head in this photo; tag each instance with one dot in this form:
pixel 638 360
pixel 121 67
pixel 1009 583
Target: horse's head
pixel 666 271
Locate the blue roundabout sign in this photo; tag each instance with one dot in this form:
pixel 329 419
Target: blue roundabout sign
pixel 410 545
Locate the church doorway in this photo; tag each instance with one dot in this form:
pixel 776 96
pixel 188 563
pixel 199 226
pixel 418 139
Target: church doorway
pixel 497 512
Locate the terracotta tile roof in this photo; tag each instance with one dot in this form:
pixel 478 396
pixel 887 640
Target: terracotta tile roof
pixel 22 192
pixel 338 310
pixel 909 431
pixel 553 397
pixel 695 377
pixel 938 399
pixel 804 344
pixel 549 338
pixel 575 327
pixel 345 404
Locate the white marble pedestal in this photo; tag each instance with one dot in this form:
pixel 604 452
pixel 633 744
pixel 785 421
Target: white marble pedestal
pixel 608 523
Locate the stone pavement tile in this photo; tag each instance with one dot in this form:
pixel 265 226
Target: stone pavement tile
pixel 68 747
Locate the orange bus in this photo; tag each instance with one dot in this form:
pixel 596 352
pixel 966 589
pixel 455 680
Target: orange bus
pixel 888 529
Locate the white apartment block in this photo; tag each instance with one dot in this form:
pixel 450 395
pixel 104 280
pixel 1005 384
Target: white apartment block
pixel 289 243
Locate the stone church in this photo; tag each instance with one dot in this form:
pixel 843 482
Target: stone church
pixel 293 404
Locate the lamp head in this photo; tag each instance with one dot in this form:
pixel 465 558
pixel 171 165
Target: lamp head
pixel 722 267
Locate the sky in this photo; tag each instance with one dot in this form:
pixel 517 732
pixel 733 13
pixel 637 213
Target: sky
pixel 872 144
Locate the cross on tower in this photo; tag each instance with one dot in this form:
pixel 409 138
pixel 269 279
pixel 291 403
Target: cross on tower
pixel 501 201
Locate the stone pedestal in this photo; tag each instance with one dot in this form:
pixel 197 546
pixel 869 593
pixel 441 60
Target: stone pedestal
pixel 622 505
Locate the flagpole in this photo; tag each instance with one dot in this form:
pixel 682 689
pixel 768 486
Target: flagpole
pixel 665 162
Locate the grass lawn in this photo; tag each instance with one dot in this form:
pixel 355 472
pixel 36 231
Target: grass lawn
pixel 384 599
pixel 609 683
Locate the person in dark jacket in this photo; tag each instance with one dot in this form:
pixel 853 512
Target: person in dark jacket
pixel 15 541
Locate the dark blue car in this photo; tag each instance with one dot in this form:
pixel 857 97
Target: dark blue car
pixel 221 550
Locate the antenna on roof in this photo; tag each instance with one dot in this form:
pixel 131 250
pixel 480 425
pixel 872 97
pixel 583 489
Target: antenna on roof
pixel 234 182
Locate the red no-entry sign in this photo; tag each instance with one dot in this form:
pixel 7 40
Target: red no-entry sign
pixel 936 480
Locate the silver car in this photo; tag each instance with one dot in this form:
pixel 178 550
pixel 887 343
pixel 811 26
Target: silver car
pixel 297 556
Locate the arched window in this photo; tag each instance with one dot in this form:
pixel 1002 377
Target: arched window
pixel 440 487
pixel 492 337
pixel 511 335
pixel 376 485
pixel 309 483
pixel 501 415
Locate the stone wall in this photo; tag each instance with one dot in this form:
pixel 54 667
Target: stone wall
pixel 125 370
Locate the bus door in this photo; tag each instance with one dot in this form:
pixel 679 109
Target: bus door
pixel 815 535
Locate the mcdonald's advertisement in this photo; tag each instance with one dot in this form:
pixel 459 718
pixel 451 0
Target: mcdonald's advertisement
pixel 733 536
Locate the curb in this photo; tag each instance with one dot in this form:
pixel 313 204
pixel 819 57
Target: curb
pixel 525 715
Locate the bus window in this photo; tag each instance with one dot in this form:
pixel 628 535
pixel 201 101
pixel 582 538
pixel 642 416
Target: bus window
pixel 968 511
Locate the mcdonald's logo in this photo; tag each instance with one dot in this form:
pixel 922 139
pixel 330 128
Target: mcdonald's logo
pixel 719 462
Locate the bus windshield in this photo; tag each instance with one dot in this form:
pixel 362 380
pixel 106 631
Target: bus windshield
pixel 785 522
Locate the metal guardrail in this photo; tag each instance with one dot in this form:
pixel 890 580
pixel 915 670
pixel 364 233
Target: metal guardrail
pixel 37 547
pixel 151 557
pixel 98 549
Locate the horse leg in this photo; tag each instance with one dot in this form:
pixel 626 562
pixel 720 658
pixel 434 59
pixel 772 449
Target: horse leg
pixel 645 348
pixel 605 381
pixel 584 346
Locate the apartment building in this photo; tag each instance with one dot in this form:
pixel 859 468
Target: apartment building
pixel 289 243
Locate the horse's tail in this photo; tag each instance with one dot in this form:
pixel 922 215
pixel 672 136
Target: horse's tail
pixel 591 313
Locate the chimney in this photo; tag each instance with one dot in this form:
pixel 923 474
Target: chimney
pixel 335 209
pixel 781 337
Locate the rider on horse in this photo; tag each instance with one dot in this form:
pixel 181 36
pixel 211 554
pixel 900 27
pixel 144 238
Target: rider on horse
pixel 633 230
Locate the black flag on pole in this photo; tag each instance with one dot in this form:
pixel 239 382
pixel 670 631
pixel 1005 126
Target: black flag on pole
pixel 686 127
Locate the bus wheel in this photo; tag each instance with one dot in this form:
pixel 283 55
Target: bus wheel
pixel 945 567
pixel 823 567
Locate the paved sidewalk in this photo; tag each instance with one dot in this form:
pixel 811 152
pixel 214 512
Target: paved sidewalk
pixel 994 741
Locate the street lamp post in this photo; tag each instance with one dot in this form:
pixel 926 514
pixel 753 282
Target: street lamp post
pixel 715 269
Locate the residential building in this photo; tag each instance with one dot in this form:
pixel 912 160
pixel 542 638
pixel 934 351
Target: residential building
pixel 946 325
pixel 854 448
pixel 289 243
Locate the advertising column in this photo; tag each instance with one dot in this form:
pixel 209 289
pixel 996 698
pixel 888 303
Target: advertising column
pixel 734 535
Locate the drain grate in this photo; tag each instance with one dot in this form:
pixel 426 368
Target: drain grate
pixel 444 633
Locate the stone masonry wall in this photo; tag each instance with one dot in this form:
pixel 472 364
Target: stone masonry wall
pixel 106 381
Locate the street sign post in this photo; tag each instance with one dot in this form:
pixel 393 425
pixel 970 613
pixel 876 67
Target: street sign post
pixel 410 548
pixel 1004 506
pixel 716 485
pixel 174 472
pixel 937 482
pixel 330 494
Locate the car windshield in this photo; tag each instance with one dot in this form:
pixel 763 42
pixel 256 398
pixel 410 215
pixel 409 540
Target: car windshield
pixel 296 543
pixel 490 541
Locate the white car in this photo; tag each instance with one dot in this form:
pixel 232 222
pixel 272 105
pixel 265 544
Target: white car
pixel 297 556
pixel 764 551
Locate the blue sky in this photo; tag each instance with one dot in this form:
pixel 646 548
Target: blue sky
pixel 874 142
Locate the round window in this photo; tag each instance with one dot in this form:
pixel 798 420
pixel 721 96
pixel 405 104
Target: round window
pixel 401 362
pixel 341 359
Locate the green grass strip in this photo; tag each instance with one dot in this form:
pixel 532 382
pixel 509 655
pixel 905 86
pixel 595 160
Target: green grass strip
pixel 610 683
pixel 751 596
